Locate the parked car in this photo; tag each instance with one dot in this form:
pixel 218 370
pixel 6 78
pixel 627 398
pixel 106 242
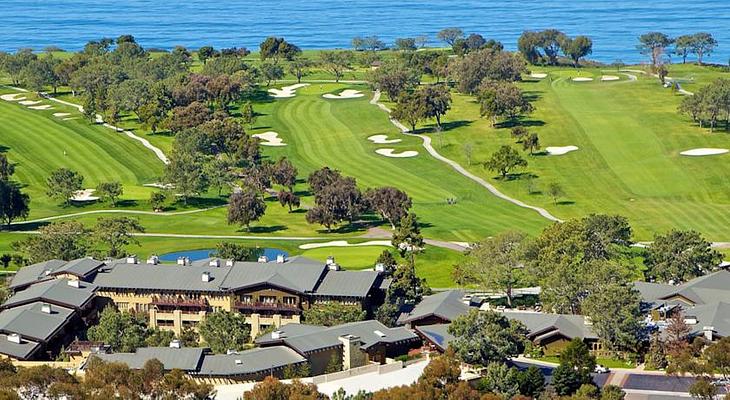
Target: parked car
pixel 600 369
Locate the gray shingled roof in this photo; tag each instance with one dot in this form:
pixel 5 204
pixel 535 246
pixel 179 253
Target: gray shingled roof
pixel 540 324
pixel 446 305
pixel 160 277
pixel 305 340
pixel 347 283
pixel 185 358
pixel 703 290
pixel 437 334
pixel 57 291
pixel 260 360
pixel 22 351
pixel 30 322
pixel 297 274
pixel 716 315
pixel 81 267
pixel 35 272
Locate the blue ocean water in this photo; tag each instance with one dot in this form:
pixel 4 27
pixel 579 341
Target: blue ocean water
pixel 613 24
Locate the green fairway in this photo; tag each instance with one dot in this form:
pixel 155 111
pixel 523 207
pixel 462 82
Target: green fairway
pixel 629 137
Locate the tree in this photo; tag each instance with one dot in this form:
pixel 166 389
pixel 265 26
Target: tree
pixel 436 101
pixel 115 233
pixel 288 199
pixel 271 72
pixel 407 236
pixel 389 202
pixel 501 380
pixel 679 256
pixel 578 357
pixel 654 44
pixel 550 41
pixel 63 184
pixel 336 202
pixel 14 203
pixel 388 262
pixel 205 53
pixel 468 152
pixel 5 260
pixel 531 143
pixel 495 263
pixel 330 314
pixel 225 330
pixel 485 64
pixel 615 311
pixel 189 337
pixel 504 160
pixel 336 62
pixel 189 116
pixel 703 44
pixel 156 337
pixel 683 46
pixel 484 337
pixel 405 44
pixel 248 115
pixel 394 78
pixel 157 200
pixel 61 240
pixel 577 48
pixel 531 381
pixel 373 43
pixel 502 100
pixel 528 44
pixel 185 172
pixel 276 48
pixel 450 35
pixel 284 173
pixel 110 191
pixel 122 331
pixel 555 191
pixel 271 389
pixel 237 252
pixel 245 207
pixel 299 67
pixel 321 178
pixel 219 174
pixel 7 169
pixel 409 109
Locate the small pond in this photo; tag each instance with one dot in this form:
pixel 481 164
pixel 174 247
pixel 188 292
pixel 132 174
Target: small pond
pixel 195 255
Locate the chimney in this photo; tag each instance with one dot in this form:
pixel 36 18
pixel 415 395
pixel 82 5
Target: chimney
pixel 379 334
pixel 206 276
pixel 175 344
pixel 132 260
pixel 708 332
pixel 231 351
pixel 153 260
pixel 46 308
pixel 183 261
pixel 277 334
pixel 215 263
pixel 330 260
pixel 229 262
pixel 74 283
pixel 352 356
pixel 14 338
pixel 263 259
pixel 239 362
pixel 280 259
pixel 380 268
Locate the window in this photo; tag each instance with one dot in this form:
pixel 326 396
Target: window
pixel 268 299
pixel 290 300
pixel 246 298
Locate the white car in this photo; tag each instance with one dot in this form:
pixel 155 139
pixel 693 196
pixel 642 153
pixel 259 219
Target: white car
pixel 600 369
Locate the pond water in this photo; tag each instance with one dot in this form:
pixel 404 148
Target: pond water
pixel 200 254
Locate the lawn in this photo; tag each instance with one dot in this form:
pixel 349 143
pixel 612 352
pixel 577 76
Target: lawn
pixel 629 135
pixel 606 362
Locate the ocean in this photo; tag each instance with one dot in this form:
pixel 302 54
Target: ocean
pixel 312 24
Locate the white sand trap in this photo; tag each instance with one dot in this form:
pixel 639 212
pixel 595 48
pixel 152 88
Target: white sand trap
pixel 61 115
pixel 344 243
pixel 84 195
pixel 270 139
pixel 610 78
pixel 41 107
pixel 560 150
pixel 13 97
pixel 30 102
pixel 582 79
pixel 538 75
pixel 159 185
pixel 345 94
pixel 382 139
pixel 70 119
pixel 287 91
pixel 392 153
pixel 704 152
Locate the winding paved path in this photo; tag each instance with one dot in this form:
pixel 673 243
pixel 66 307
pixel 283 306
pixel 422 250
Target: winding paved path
pixel 456 166
pixel 115 211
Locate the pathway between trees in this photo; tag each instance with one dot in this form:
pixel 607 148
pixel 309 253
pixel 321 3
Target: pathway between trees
pixel 456 166
pixel 100 120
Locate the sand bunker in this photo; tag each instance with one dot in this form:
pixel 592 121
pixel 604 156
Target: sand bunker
pixel 582 79
pixel 13 97
pixel 392 153
pixel 287 91
pixel 70 119
pixel 382 139
pixel 61 115
pixel 560 150
pixel 538 75
pixel 41 107
pixel 610 78
pixel 30 102
pixel 344 243
pixel 345 94
pixel 84 195
pixel 704 152
pixel 160 185
pixel 270 139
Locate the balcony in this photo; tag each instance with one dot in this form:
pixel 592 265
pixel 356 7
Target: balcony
pixel 259 306
pixel 180 301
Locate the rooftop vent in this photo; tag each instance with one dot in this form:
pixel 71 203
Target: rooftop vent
pixel 379 267
pixel 14 338
pixel 379 333
pixel 74 283
pixel 277 334
pixel 175 344
pixel 280 258
pixel 132 260
pixel 183 261
pixel 206 276
pixel 330 260
pixel 708 332
pixel 690 320
pixel 215 263
pixel 263 259
pixel 230 262
pixel 239 362
pixel 231 351
pixel 153 260
pixel 46 308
